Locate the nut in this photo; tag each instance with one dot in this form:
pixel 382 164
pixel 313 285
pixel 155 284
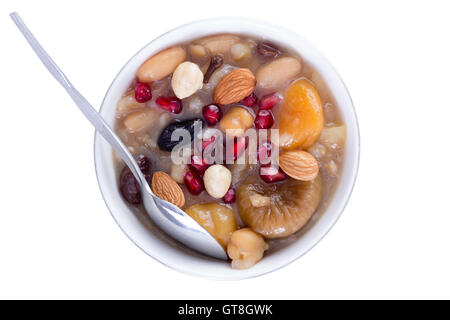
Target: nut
pixel 218 43
pixel 187 79
pixel 236 121
pixel 235 86
pixel 161 64
pixel 268 50
pixel 299 165
pixel 167 189
pixel 278 72
pixel 140 120
pixel 217 180
pixel 245 248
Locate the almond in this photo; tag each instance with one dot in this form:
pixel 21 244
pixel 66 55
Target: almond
pixel 299 165
pixel 235 86
pixel 167 189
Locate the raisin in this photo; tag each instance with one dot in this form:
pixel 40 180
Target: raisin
pixel 268 50
pixel 165 141
pixel 129 187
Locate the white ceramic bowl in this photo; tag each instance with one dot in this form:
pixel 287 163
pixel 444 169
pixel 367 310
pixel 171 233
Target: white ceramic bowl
pixel 167 251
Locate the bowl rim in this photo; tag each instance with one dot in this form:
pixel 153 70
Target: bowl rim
pixel 356 156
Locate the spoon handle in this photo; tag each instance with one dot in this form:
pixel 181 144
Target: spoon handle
pixel 89 112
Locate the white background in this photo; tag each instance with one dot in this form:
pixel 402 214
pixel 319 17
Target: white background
pixel 57 238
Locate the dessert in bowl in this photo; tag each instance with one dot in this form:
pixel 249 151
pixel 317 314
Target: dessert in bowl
pixel 272 148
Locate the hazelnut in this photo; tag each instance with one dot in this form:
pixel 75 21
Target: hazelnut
pixel 187 79
pixel 217 180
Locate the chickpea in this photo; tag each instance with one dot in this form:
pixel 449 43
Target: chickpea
pixel 246 248
pixel 236 121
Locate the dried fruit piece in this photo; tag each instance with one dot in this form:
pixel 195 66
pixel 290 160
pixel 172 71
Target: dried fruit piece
pixel 165 141
pixel 167 189
pixel 264 119
pixel 193 183
pixel 142 92
pixel 278 72
pixel 292 204
pixel 145 165
pixel 236 121
pixel 299 165
pixel 161 64
pixel 217 219
pixel 214 64
pixel 235 86
pixel 129 187
pixel 301 116
pixel 212 114
pixel 259 201
pixel 171 104
pixel 217 180
pixel 246 248
pixel 187 79
pixel 268 50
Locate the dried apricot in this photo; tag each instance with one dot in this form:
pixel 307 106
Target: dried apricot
pixel 301 116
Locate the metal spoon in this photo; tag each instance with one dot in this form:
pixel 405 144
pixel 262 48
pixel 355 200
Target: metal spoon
pixel 167 216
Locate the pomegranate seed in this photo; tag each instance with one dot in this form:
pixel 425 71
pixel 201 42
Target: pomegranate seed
pixel 269 101
pixel 271 174
pixel 198 165
pixel 142 92
pixel 212 114
pixel 171 104
pixel 230 196
pixel 239 146
pixel 193 183
pixel 264 119
pixel 264 152
pixel 206 143
pixel 250 101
